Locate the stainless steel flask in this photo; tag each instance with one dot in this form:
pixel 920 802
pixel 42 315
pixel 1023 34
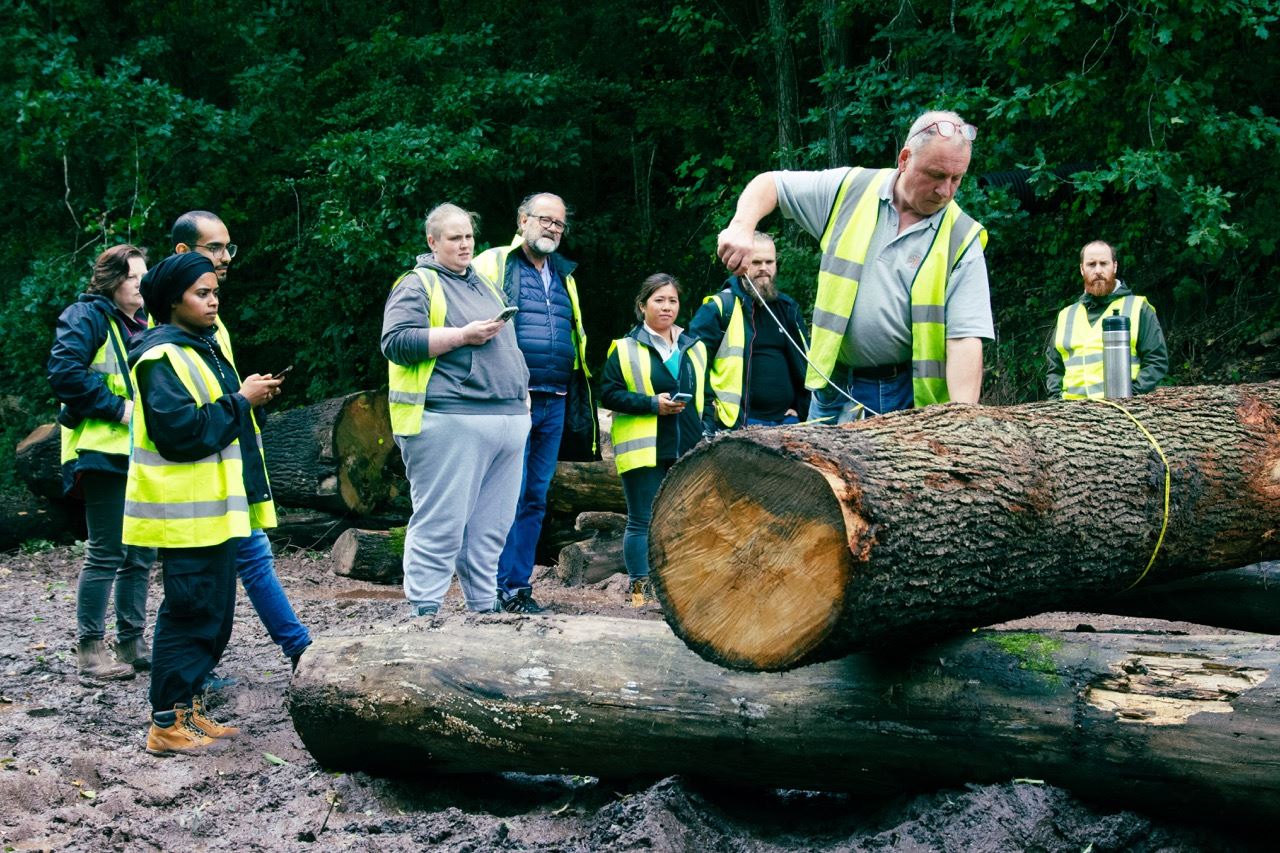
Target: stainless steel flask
pixel 1117 361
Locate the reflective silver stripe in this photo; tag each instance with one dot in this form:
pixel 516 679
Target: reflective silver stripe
pixel 929 369
pixel 192 510
pixel 196 376
pixel 729 352
pixel 960 228
pixel 1087 390
pixel 928 314
pixel 727 397
pixel 1127 306
pixel 633 359
pixel 1071 324
pixel 1078 360
pixel 407 397
pixel 151 457
pixel 829 321
pixel 857 187
pixel 842 267
pixel 635 444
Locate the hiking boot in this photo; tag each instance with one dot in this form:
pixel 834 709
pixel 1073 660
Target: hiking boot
pixel 172 733
pixel 95 663
pixel 200 719
pixel 520 601
pixel 641 591
pixel 134 652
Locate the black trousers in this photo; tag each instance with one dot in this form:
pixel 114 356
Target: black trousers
pixel 194 621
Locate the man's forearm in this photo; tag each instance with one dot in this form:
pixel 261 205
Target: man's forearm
pixel 964 369
pixel 759 198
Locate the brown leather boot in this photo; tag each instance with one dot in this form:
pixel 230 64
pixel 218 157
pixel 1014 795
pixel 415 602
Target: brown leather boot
pixel 207 724
pixel 134 652
pixel 178 737
pixel 95 663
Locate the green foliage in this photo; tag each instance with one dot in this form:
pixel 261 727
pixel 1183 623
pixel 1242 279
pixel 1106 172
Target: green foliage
pixel 322 133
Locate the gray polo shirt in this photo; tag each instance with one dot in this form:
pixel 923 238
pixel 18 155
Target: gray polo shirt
pixel 879 331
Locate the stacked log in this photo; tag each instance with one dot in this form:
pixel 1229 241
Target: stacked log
pixel 1163 723
pixel 38 461
pixel 773 548
pixel 596 558
pixel 370 555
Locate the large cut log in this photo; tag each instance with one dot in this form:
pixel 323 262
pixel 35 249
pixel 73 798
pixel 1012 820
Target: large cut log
pixel 38 461
pixel 332 455
pixel 1178 723
pixel 26 517
pixel 1245 599
pixel 772 548
pixel 370 555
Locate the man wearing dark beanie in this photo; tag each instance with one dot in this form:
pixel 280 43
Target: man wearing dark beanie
pixel 197 486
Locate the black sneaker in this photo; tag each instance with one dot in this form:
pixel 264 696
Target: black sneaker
pixel 520 601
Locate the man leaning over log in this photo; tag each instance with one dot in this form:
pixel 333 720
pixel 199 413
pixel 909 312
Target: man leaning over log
pixel 1074 353
pixel 538 280
pixel 205 233
pixel 895 243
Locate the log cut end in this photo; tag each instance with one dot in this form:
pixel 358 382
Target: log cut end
pixel 362 443
pixel 750 556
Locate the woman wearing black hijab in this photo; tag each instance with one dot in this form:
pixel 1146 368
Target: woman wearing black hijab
pixel 197 485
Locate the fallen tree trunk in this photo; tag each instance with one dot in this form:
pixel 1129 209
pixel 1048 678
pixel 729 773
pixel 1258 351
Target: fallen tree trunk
pixel 331 456
pixel 592 560
pixel 1146 721
pixel 1245 599
pixel 38 461
pixel 370 555
pixel 29 517
pixel 773 548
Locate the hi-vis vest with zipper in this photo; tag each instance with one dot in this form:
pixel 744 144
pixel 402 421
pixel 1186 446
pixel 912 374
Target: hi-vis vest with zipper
pixel 407 386
pixel 94 433
pixel 187 504
pixel 844 251
pixel 635 437
pixel 1079 342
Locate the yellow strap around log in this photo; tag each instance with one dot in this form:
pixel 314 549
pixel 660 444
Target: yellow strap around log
pixel 1164 525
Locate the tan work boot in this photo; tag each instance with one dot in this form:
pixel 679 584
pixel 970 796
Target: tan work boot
pixel 134 652
pixel 641 591
pixel 207 724
pixel 95 663
pixel 179 737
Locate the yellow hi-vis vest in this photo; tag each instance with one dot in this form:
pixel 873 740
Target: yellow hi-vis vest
pixel 94 433
pixel 187 504
pixel 844 251
pixel 728 368
pixel 407 386
pixel 635 437
pixel 1079 342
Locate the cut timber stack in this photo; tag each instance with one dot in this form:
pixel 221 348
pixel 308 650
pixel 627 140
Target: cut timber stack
pixel 331 456
pixel 773 548
pixel 1158 722
pixel 1246 599
pixel 592 560
pixel 370 555
pixel 38 461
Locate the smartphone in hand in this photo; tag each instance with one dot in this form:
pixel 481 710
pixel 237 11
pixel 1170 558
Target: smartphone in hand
pixel 281 374
pixel 507 313
pixel 681 398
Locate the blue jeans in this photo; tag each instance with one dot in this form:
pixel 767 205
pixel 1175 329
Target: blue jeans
pixel 515 566
pixel 874 396
pixel 257 570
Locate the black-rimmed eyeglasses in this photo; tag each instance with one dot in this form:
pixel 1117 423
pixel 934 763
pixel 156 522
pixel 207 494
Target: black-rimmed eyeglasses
pixel 216 249
pixel 550 222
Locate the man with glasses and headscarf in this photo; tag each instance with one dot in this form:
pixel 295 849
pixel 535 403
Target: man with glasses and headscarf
pixel 539 281
pixel 903 301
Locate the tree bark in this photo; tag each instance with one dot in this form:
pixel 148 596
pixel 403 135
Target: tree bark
pixel 26 517
pixel 594 559
pixel 834 69
pixel 1245 599
pixel 333 455
pixel 773 548
pixel 38 461
pixel 370 555
pixel 1145 721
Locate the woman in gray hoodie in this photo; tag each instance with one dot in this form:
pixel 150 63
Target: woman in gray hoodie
pixel 458 389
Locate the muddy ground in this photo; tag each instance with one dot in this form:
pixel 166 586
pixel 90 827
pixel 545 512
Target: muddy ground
pixel 74 776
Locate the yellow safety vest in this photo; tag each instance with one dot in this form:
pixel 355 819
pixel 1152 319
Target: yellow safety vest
pixel 844 251
pixel 635 437
pixel 94 433
pixel 187 504
pixel 1079 342
pixel 728 368
pixel 407 386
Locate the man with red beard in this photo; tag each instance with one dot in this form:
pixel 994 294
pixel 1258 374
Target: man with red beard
pixel 1075 352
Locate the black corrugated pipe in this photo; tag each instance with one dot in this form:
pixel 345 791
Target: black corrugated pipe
pixel 1017 183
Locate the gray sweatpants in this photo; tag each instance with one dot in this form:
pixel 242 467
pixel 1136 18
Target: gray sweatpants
pixel 464 479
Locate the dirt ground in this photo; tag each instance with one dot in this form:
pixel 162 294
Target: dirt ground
pixel 74 776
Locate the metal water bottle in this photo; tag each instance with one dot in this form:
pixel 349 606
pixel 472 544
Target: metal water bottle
pixel 1117 364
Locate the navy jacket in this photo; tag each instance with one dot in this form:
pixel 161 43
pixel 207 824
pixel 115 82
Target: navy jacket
pixel 544 326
